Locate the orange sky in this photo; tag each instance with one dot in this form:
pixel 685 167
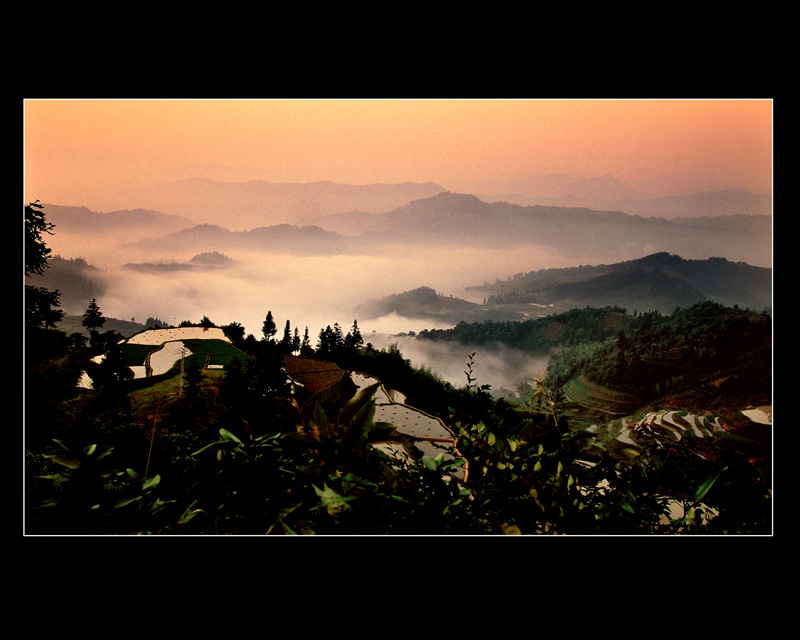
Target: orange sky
pixel 95 152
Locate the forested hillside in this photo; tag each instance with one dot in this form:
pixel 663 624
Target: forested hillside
pixel 658 282
pixel 645 354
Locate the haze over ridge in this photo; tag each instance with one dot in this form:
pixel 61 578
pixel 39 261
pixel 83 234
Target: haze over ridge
pixel 410 260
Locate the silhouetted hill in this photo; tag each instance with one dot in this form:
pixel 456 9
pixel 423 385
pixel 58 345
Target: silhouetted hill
pixel 657 282
pixel 76 280
pixel 660 282
pixel 202 261
pixel 424 303
pixel 71 323
pixel 85 221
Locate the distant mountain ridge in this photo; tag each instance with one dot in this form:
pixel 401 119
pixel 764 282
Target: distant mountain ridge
pixel 585 235
pixel 558 185
pixel 606 192
pixel 713 203
pixel 581 235
pixel 259 203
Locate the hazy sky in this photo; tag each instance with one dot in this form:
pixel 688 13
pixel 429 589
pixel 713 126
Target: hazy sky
pixel 91 152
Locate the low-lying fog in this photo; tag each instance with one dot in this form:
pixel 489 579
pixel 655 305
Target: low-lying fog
pixel 495 365
pixel 313 292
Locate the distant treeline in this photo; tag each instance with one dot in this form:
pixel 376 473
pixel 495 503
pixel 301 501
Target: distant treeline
pixel 540 334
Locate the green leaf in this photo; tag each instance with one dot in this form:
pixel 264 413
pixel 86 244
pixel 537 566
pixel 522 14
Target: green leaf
pixel 228 436
pixel 122 503
pixel 104 452
pixel 61 444
pixel 706 486
pixel 189 513
pixel 64 461
pixel 334 503
pixel 381 430
pixel 357 402
pixel 151 483
pixel 213 445
pixel 362 420
pixel 320 421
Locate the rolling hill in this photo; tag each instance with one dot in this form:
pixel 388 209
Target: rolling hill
pixel 282 238
pixel 659 282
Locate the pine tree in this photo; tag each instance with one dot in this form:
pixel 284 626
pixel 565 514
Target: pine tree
pixel 296 341
pixel 305 346
pixel 286 341
pixel 93 320
pixel 269 329
pixel 40 303
pixel 354 340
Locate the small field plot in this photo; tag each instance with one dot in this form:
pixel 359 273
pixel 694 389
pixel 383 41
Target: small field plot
pixel 219 352
pixel 164 359
pixel 135 355
pixel 160 336
pixel 594 396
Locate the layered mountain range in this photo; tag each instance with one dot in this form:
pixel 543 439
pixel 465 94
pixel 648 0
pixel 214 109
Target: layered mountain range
pixel 250 220
pixel 582 234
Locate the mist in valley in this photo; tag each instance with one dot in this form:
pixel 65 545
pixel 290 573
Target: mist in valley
pixel 494 365
pixel 309 291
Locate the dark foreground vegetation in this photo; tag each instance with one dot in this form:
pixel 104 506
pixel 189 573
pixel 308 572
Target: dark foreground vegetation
pixel 244 451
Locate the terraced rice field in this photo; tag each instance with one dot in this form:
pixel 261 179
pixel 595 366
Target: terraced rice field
pixel 669 426
pixel 681 423
pixel 160 336
pixel 431 436
pixel 594 396
pixel 157 350
pixel 410 421
pixel 163 360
